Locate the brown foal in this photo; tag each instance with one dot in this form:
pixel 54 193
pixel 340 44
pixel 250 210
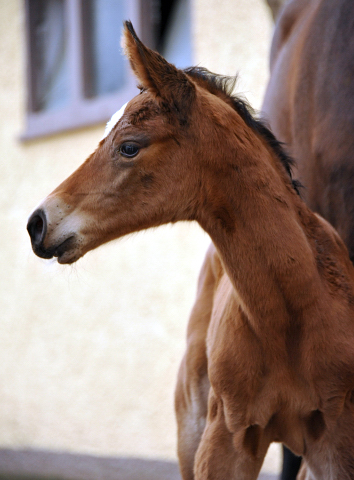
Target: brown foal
pixel 270 340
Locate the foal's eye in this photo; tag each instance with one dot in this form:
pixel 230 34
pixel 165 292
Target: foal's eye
pixel 128 150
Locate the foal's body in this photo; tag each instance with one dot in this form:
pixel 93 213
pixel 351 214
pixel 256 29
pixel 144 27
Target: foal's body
pixel 270 337
pixel 275 365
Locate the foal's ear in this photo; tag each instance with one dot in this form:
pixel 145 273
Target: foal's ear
pixel 155 73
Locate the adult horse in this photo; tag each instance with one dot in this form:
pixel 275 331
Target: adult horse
pixel 309 103
pixel 270 337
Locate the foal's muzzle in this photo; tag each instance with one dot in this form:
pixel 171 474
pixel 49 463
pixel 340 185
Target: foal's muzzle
pixel 46 245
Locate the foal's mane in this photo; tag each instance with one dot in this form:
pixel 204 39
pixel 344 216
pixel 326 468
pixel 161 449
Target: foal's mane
pixel 224 85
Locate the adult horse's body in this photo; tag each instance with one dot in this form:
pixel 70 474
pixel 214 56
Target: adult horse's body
pixel 269 355
pixel 309 103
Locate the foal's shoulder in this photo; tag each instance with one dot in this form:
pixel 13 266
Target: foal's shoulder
pixel 336 249
pixel 334 236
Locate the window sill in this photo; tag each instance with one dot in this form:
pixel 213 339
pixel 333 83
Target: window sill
pixel 77 115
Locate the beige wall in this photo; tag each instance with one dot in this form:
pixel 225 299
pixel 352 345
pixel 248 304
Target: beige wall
pixel 89 353
pixel 233 37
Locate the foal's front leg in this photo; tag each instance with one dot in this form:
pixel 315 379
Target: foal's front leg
pixel 191 410
pixel 193 385
pixel 228 455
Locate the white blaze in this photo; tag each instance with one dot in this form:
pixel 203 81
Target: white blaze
pixel 114 120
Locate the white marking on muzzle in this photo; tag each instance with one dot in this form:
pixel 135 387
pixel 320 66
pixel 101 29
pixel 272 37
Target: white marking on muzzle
pixel 114 120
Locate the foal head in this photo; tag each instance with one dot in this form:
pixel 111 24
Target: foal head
pixel 135 178
pixel 151 166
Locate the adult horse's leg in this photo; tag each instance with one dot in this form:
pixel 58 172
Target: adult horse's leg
pixel 291 465
pixel 193 385
pixel 225 454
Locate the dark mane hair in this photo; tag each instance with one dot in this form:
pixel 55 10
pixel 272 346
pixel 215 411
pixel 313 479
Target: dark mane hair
pixel 225 85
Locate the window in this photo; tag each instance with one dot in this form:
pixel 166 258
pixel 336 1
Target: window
pixel 174 32
pixel 77 74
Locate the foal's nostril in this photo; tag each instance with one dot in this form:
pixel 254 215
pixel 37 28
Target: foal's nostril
pixel 37 227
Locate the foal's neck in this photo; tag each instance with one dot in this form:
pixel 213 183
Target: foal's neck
pixel 253 217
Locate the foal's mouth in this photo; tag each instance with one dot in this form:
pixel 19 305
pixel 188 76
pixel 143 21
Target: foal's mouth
pixel 66 252
pixel 64 247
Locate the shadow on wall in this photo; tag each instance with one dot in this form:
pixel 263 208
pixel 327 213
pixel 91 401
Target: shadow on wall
pixel 43 465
